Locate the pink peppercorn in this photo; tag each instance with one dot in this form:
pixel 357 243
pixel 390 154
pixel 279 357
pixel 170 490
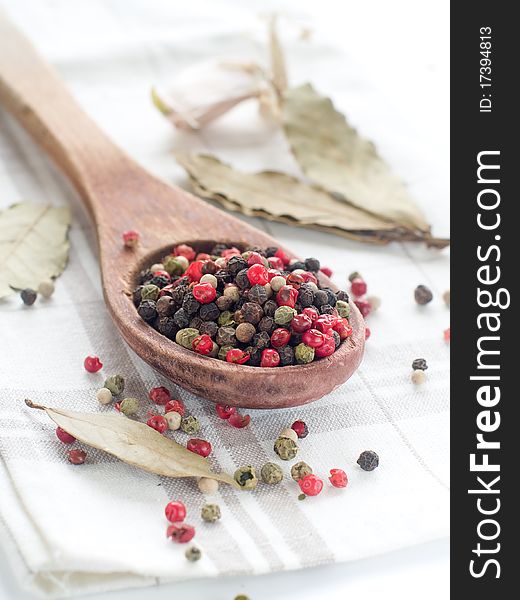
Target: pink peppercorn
pixel 257 275
pixel 287 296
pixel 224 411
pixel 92 364
pixel 312 313
pixel 301 323
pixel 158 422
pixel 358 287
pixel 324 323
pixel 237 356
pixel 272 273
pixel 64 437
pixel 364 307
pixel 310 485
pixel 238 420
pixel 327 348
pixel 202 344
pixel 160 395
pixel 130 238
pixel 77 457
pixel 162 273
pixel 203 256
pixel 282 256
pixel 269 358
pixel 194 271
pixel 343 328
pixel 313 338
pixel 175 406
pixel 280 337
pixel 338 478
pixel 301 429
pixel 201 447
pixel 275 263
pixel 327 271
pixel 204 293
pixel 175 511
pixel 184 250
pixel 309 277
pixel 181 534
pixel 255 259
pixel 229 252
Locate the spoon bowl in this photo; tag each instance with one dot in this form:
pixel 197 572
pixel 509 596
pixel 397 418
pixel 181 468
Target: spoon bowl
pixel 120 195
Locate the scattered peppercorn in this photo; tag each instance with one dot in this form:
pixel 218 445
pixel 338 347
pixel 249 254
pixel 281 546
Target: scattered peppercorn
pixel 175 406
pixel 288 432
pixel 208 486
pixel 338 478
pixel 210 513
pixel 77 457
pixel 130 238
pixel 271 473
pixel 92 364
pixel 246 477
pixel 354 275
pixel 129 406
pixel 190 425
pixel 310 485
pixel 158 422
pixel 299 470
pixel 224 411
pixel 423 295
pixel 302 496
pixel 419 364
pixel 193 554
pixel 159 395
pixel 368 460
pixel 104 396
pixel 175 511
pixel 239 421
pixel 301 429
pixel 116 384
pixel 28 296
pixel 64 436
pixel 173 419
pixel 200 447
pixel 46 288
pixel 181 534
pixel 285 448
pixel 418 377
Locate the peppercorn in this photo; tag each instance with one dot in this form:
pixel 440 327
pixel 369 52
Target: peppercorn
pixel 342 295
pixel 271 473
pixel 168 327
pixel 236 264
pixel 288 432
pixel 225 336
pixel 46 288
pixel 180 534
pixel 255 356
pixel 246 477
pixel 165 306
pixel 232 292
pixel 242 280
pixel 77 457
pixel 284 315
pixel 343 308
pixel 193 554
pixel 303 354
pixel 207 486
pixel 261 340
pixel 285 448
pixel 64 436
pixel 210 513
pixel 190 425
pixel 115 383
pixel 320 298
pixel 286 354
pixel 208 328
pixel 92 364
pixel 297 264
pixel 186 336
pixel 172 265
pixel 299 470
pixel 223 350
pixel 375 302
pixel 147 310
pixel 129 406
pixel 252 312
pixel 277 283
pixel 338 478
pixel 209 312
pixel 258 294
pixel 190 304
pixel 226 319
pixel 423 295
pixel 267 324
pixel 311 485
pixel 245 332
pixel 145 276
pixel 173 418
pixel 28 296
pixel 150 292
pixel 136 295
pixel 209 278
pixel 181 318
pixel 368 460
pixel 419 363
pixel 161 394
pixel 104 396
pixel 305 295
pixel 418 377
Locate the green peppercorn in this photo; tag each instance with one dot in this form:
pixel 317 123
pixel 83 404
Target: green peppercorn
pixel 193 554
pixel 283 315
pixel 246 477
pixel 343 308
pixel 190 425
pixel 129 406
pixel 186 336
pixel 299 470
pixel 222 352
pixel 173 265
pixel 271 473
pixel 285 448
pixel 115 383
pixel 210 513
pixel 303 354
pixel 150 292
pixel 226 319
pixel 225 336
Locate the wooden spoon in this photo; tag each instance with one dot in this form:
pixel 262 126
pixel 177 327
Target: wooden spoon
pixel 121 195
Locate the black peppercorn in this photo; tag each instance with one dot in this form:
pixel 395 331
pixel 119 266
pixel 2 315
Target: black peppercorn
pixel 223 277
pixel 342 295
pixel 257 249
pixel 242 280
pixel 238 316
pixel 331 296
pixel 136 295
pixel 321 298
pixel 368 460
pixel 423 294
pixel 224 303
pixel 326 309
pixel 252 312
pixel 181 318
pixel 28 296
pixel 209 312
pixel 419 364
pixel 196 322
pixel 296 265
pixel 236 264
pixel 209 268
pixel 261 340
pixel 296 338
pixel 286 355
pixel 271 251
pixel 226 336
pixel 147 310
pixel 189 304
pixel 255 356
pixel 267 324
pixel 337 339
pixel 270 308
pixel 145 276
pixel 312 264
pixel 165 306
pixel 209 328
pixel 257 294
pixel 159 280
pixel 178 294
pixel 167 326
pixel 305 295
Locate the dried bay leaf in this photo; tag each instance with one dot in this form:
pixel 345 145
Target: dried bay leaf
pixel 33 245
pixel 332 154
pixel 280 197
pixel 133 442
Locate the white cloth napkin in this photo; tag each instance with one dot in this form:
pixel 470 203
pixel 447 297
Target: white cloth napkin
pixel 100 526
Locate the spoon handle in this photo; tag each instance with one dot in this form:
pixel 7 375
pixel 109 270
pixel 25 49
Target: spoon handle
pixel 35 96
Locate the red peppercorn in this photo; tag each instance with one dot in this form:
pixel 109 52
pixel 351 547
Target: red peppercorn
pixel 224 411
pixel 229 252
pixel 327 348
pixel 92 364
pixel 64 437
pixel 203 256
pixel 280 337
pixel 367 333
pixel 184 250
pixel 301 429
pixel 204 293
pixel 181 534
pixel 270 358
pixel 338 478
pixel 358 287
pixel 237 356
pixel 282 256
pixel 324 323
pixel 200 447
pixel 160 395
pixel 175 406
pixel 202 344
pixel 327 271
pixel 130 238
pixel 343 328
pixel 275 263
pixel 364 307
pixel 312 313
pixel 287 296
pixel 309 278
pixel 310 485
pixel 158 422
pixel 295 280
pixel 162 273
pixel 194 271
pixel 238 420
pixel 273 273
pixel 257 275
pixel 175 511
pixel 301 323
pixel 313 338
pixel 77 457
pixel 255 259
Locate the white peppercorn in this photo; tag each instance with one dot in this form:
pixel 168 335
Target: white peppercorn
pixel 418 377
pixel 174 420
pixel 104 396
pixel 277 283
pixel 208 486
pixel 289 433
pixel 211 279
pixel 46 288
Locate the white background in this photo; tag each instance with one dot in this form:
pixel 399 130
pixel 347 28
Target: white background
pixel 402 47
